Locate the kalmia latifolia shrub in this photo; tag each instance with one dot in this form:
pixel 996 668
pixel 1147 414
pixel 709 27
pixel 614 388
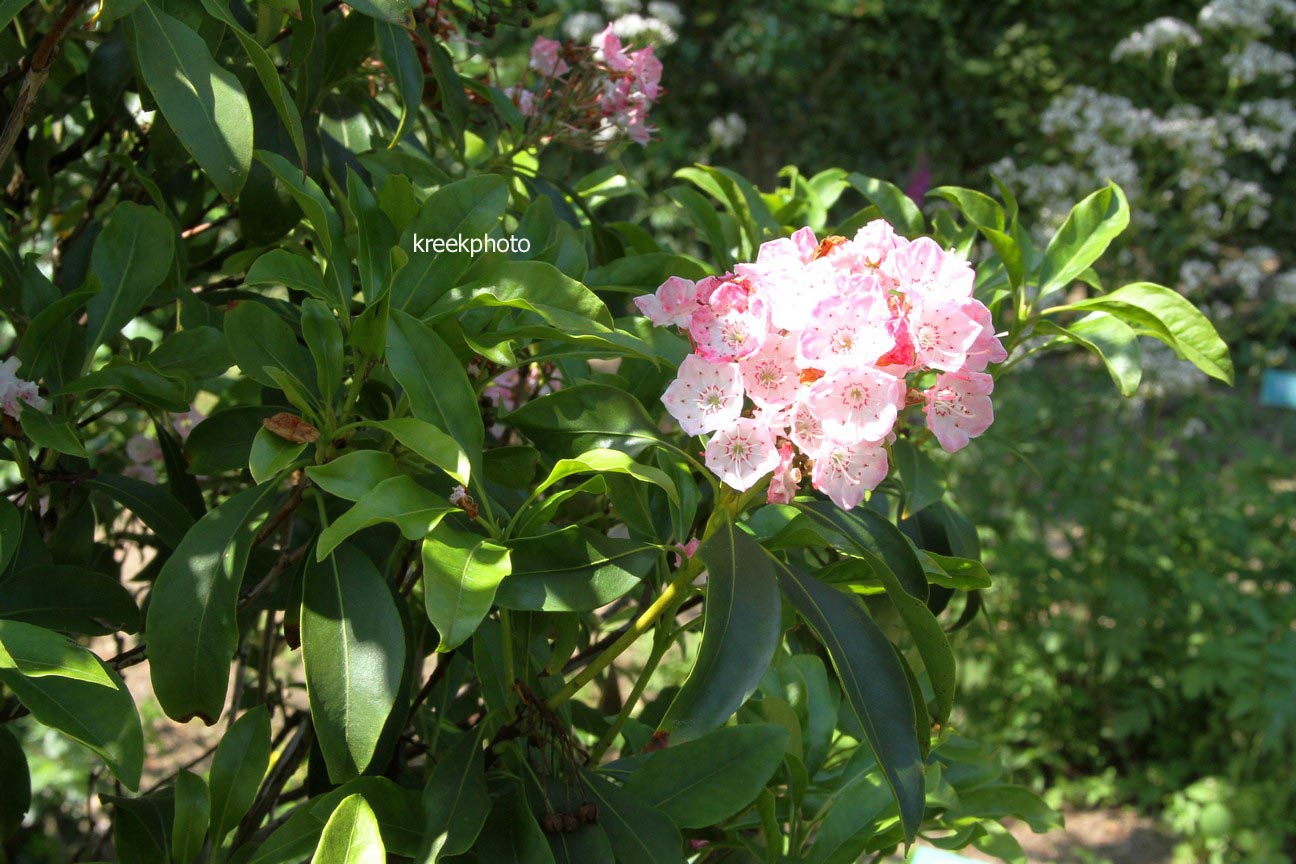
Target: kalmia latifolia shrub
pixel 326 545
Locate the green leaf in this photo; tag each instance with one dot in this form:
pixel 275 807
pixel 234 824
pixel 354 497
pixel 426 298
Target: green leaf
pixel 323 337
pixel 999 801
pixel 928 637
pixel 53 432
pixel 396 49
pixel 281 267
pixel 192 816
pixel 533 286
pixel 705 781
pixel 450 89
pixel 11 529
pixel 574 569
pixel 375 237
pixel 271 455
pixel 223 442
pixel 740 632
pixel 400 500
pixel 9 10
pixel 960 574
pixel 37 652
pixel 69 598
pixel 585 417
pixel 102 718
pixel 873 681
pixel 141 827
pixel 268 74
pixel 397 810
pixel 323 219
pixel 1159 312
pixel 467 208
pixel 874 536
pixel 924 484
pixel 639 834
pixel 258 338
pixel 237 770
pixel 435 382
pixel 455 801
pixel 609 462
pixel 511 835
pixel 131 257
pixel 353 474
pixel 353 648
pixel 429 443
pixel 460 574
pixel 985 213
pixel 390 11
pixel 15 792
pixel 1111 339
pixel 191 627
pixel 896 207
pixel 351 836
pixel 1088 230
pixel 203 102
pixel 196 351
pixel 139 381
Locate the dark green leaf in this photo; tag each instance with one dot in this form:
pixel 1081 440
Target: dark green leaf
pixel 353 648
pixel 191 628
pixel 131 257
pixel 740 633
pixel 574 569
pixel 73 599
pixel 237 770
pixel 706 780
pixel 192 816
pixel 455 801
pixel 586 417
pixel 203 102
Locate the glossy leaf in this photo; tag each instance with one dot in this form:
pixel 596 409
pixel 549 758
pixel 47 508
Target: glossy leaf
pixel 574 569
pixel 351 836
pixel 353 648
pixel 192 817
pixel 271 455
pixel 45 430
pixel 69 598
pixel 461 572
pixel 237 769
pixel 203 102
pixel 353 474
pixel 740 633
pixel 36 652
pixel 896 207
pixel 397 810
pixel 511 835
pixel 400 500
pixel 191 628
pixel 456 801
pixel 1164 314
pixel 430 444
pixel 131 257
pixel 639 833
pixel 873 682
pixel 258 338
pixel 435 382
pixel 15 792
pixel 103 719
pixel 704 781
pixel 586 417
pixel 1087 232
pixel 467 208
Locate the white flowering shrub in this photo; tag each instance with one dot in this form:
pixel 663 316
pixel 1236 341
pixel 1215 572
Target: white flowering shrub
pixel 1203 159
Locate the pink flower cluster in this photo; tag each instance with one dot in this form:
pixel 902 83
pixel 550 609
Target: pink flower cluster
pixel 14 390
pixel 612 89
pixel 805 360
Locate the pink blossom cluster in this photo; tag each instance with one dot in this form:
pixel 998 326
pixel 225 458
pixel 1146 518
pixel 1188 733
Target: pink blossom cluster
pixel 610 89
pixel 804 361
pixel 145 452
pixel 15 391
pixel 515 387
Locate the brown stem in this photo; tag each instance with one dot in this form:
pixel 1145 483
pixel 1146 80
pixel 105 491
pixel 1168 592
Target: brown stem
pixel 37 71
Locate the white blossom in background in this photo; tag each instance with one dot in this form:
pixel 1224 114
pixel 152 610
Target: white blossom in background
pixel 1255 16
pixel 727 130
pixel 1160 34
pixel 617 8
pixel 1285 288
pixel 582 25
pixel 634 27
pixel 1256 60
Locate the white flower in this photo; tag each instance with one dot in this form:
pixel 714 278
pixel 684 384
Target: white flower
pixel 1162 33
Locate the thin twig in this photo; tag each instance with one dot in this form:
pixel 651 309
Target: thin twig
pixel 37 71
